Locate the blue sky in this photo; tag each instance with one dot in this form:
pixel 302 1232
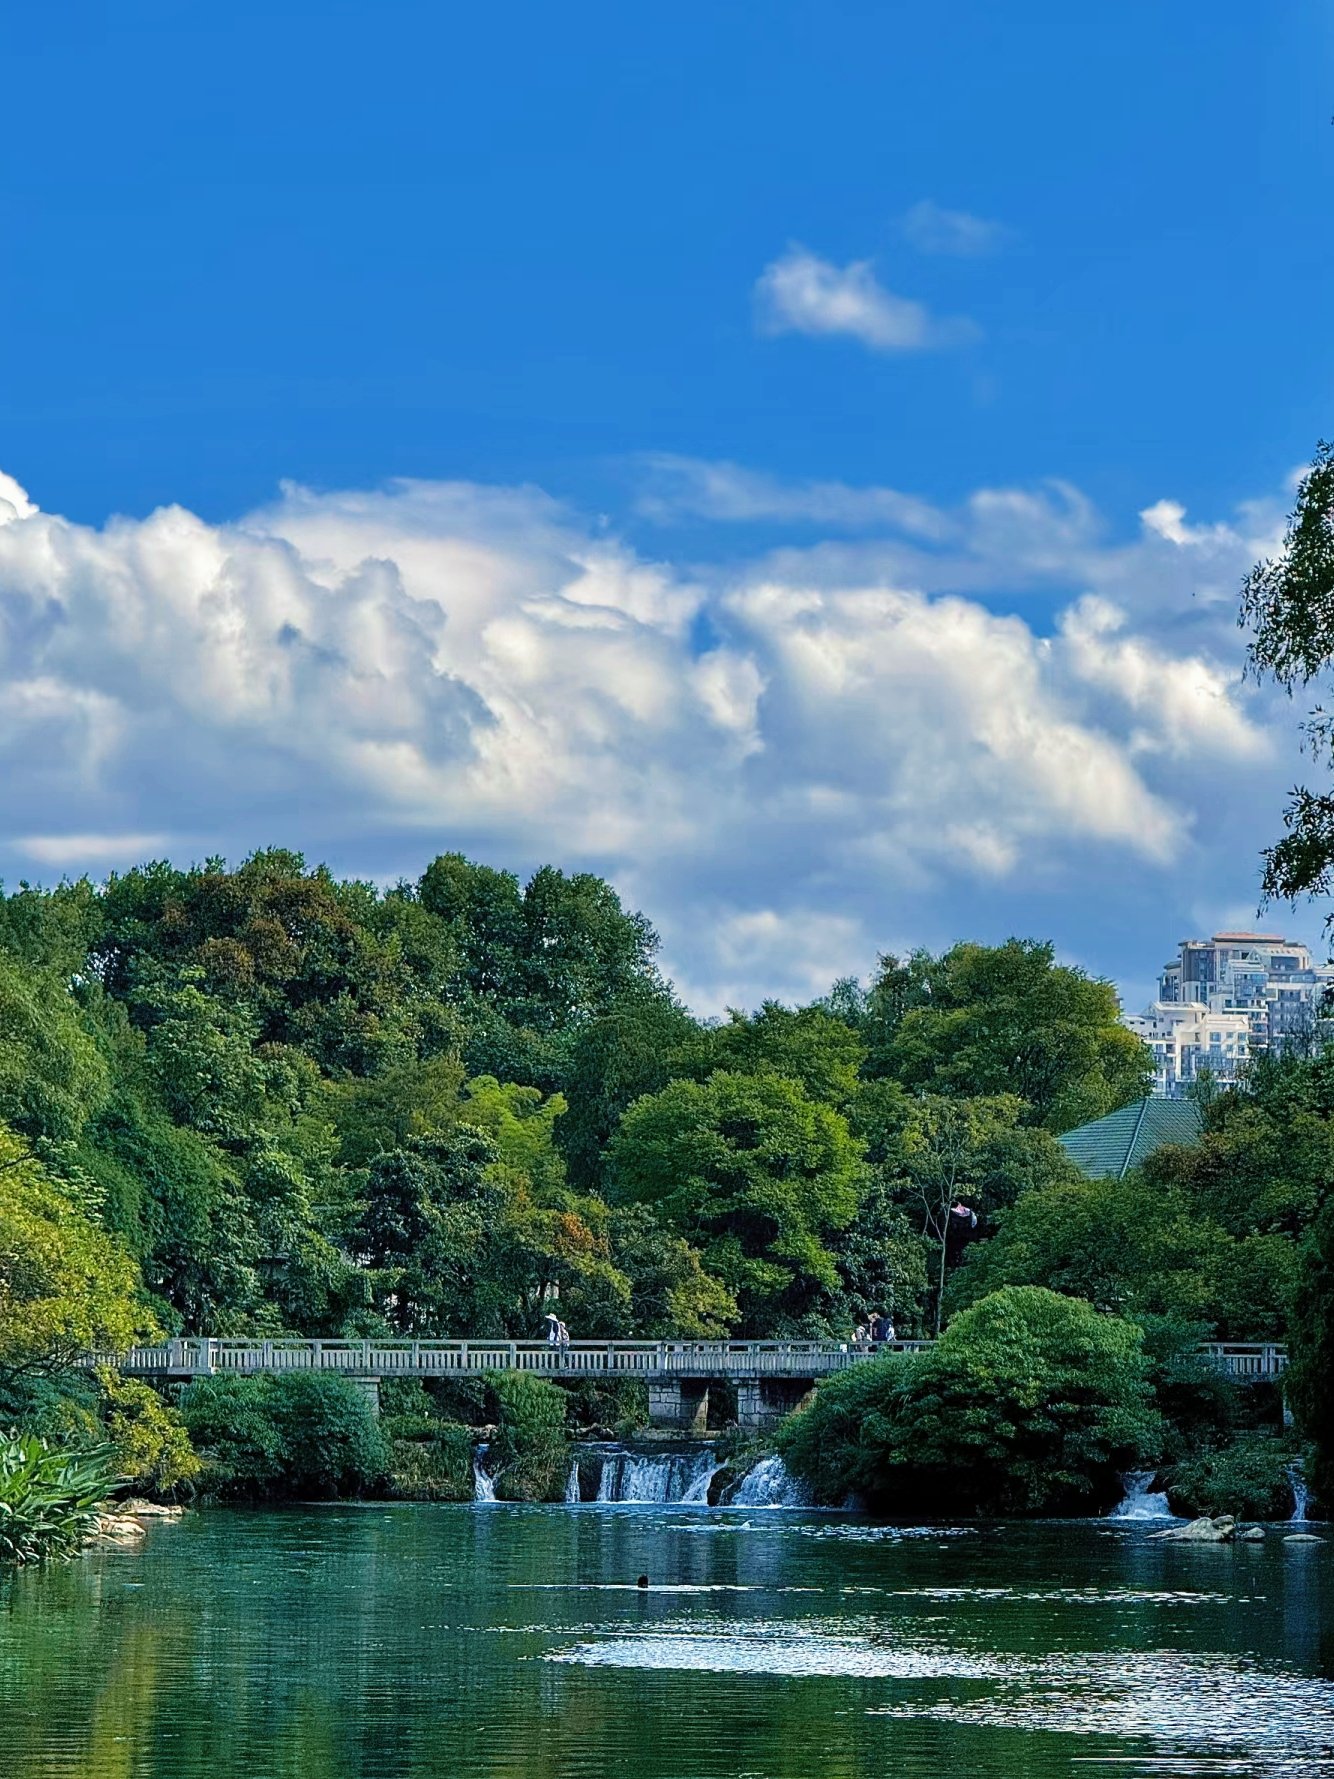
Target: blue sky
pixel 717 440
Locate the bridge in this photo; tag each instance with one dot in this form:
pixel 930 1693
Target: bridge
pixel 770 1377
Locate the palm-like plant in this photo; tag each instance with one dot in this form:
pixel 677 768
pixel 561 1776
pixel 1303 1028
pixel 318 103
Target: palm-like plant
pixel 50 1499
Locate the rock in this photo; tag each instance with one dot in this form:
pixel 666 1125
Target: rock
pixel 1203 1531
pixel 1252 1535
pixel 1302 1538
pixel 118 1529
pixel 150 1510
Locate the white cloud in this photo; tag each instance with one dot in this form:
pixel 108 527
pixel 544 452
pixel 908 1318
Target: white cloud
pixel 803 294
pixel 863 752
pixel 673 487
pixel 932 229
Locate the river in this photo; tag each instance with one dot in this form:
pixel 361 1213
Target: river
pixel 401 1642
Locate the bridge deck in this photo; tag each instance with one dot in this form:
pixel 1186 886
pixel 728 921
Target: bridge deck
pixel 756 1359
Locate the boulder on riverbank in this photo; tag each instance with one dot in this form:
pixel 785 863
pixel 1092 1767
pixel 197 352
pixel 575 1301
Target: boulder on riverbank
pixel 1203 1531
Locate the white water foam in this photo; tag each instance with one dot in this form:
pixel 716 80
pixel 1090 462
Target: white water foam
pixel 483 1489
pixel 1140 1502
pixel 1301 1496
pixel 771 1484
pixel 676 1477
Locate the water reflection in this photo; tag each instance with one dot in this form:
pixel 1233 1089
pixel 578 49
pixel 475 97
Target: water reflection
pixel 358 1643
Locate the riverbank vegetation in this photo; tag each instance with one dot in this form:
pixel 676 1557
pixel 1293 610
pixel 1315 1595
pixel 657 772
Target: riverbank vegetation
pixel 264 1100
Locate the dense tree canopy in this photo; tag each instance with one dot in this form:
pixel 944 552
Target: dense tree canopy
pixel 753 1171
pixel 1005 1019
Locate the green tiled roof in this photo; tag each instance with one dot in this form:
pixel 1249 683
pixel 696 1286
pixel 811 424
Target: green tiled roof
pixel 1109 1147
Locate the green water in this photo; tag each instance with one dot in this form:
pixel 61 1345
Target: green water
pixel 351 1642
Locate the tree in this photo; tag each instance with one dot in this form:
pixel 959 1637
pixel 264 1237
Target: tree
pixel 806 1044
pixel 1311 1378
pixel 1137 1247
pixel 614 1059
pixel 1007 1019
pixel 51 1073
pixel 756 1175
pixel 1288 605
pixel 671 1295
pixel 66 1287
pixel 1029 1403
pixel 933 1151
pixel 432 1213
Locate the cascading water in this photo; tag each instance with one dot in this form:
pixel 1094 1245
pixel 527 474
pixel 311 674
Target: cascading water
pixel 572 1495
pixel 1140 1502
pixel 680 1477
pixel 1301 1496
pixel 483 1489
pixel 771 1484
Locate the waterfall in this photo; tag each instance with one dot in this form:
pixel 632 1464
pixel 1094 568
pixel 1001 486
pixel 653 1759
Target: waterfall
pixel 771 1484
pixel 572 1495
pixel 1301 1498
pixel 680 1477
pixel 483 1489
pixel 1140 1502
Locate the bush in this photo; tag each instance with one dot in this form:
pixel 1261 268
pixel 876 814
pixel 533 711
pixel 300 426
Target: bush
pixel 294 1434
pixel 434 1467
pixel 156 1457
pixel 529 1455
pixel 1249 1479
pixel 1029 1403
pixel 839 1441
pixel 49 1498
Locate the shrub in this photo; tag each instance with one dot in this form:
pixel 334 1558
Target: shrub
pixel 156 1457
pixel 299 1433
pixel 529 1455
pixel 49 1498
pixel 433 1467
pixel 1030 1403
pixel 838 1443
pixel 1249 1479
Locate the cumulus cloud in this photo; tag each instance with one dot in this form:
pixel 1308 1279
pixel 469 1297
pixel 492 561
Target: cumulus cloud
pixel 800 293
pixel 788 764
pixel 932 229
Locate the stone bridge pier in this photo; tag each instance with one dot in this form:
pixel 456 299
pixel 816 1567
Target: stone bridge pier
pixel 761 1403
pixel 681 1403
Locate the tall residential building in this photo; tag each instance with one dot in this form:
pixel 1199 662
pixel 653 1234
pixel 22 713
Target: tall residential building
pixel 1226 999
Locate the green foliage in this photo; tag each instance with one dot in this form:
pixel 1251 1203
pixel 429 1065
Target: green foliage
pixel 65 1285
pixel 1310 1381
pixel 154 1454
pixel 431 1463
pixel 1250 1479
pixel 291 1434
pixel 50 1498
pixel 51 1073
pixel 1287 604
pixel 1209 1234
pixel 1006 1019
pixel 1029 1403
pixel 756 1173
pixel 806 1044
pixel 529 1456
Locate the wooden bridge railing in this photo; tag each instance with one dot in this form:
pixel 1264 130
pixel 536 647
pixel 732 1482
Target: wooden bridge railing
pixel 1245 1361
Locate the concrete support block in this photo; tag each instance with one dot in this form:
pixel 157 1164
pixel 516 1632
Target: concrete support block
pixel 371 1386
pixel 761 1403
pixel 682 1403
